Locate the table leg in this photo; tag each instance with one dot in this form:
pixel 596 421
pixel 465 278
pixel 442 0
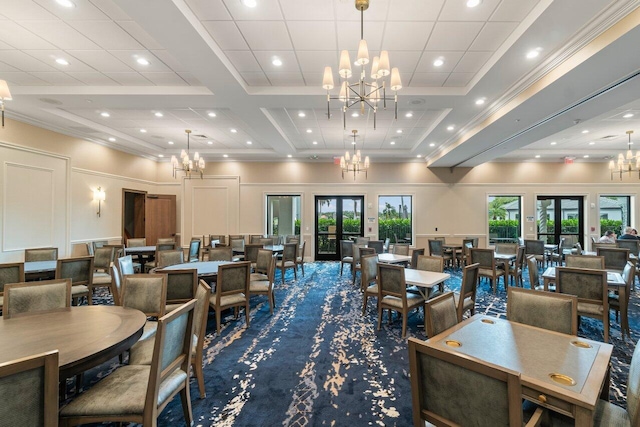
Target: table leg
pixel 584 417
pixel 624 321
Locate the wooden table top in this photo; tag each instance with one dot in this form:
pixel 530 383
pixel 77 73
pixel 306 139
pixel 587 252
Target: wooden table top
pixel 425 279
pixel 205 268
pixel 84 336
pixel 535 353
pixel 393 258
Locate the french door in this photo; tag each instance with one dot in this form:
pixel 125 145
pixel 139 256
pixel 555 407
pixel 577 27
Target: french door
pixel 560 216
pixel 337 218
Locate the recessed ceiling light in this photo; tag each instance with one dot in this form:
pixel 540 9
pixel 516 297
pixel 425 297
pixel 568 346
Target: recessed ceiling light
pixel 112 139
pixel 480 101
pixel 170 142
pixel 250 3
pixel 233 131
pixel 409 115
pixel 66 3
pixel 158 114
pixel 628 115
pixel 160 155
pixel 586 156
pixel 276 61
pixel 62 61
pixel 211 114
pixel 537 156
pixel 592 143
pixel 354 114
pixel 553 143
pixel 105 114
pixel 143 131
pixel 142 61
pixel 309 131
pixel 210 142
pixel 249 142
pixel 450 127
pixel 585 131
pixel 315 143
pixel 289 156
pixel 225 155
pixel 438 62
pixel 399 131
pixel 534 53
pixel 473 3
pixel 302 114
pixel 392 143
pixel 433 144
pixel 419 155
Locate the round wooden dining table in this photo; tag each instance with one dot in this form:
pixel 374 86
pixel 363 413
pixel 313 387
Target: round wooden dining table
pixel 84 336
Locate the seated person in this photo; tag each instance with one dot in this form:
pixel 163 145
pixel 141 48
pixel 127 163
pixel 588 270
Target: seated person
pixel 630 233
pixel 608 237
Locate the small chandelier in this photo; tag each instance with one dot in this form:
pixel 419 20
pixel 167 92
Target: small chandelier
pixel 362 92
pixel 354 163
pixel 187 165
pixel 627 164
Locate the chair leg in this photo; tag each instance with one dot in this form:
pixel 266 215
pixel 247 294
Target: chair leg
pixel 186 404
pixel 404 324
pixel 246 312
pixel 605 324
pixel 218 316
pixel 364 303
pixel 295 273
pixel 200 377
pixel 379 315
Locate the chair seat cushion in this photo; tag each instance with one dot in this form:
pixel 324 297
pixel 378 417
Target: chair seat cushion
pixel 347 259
pixel 257 277
pixel 468 302
pixel 149 330
pixel 488 272
pixel 608 414
pixel 1 300
pixel 170 307
pixel 287 264
pixel 123 392
pixel 259 286
pixel 79 290
pixel 586 308
pixel 372 290
pixel 142 352
pixel 101 278
pixel 227 300
pixel 413 300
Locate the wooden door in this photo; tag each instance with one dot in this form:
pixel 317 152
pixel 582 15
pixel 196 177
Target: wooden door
pixel 160 221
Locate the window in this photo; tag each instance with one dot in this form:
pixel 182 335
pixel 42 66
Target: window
pixel 615 213
pixel 394 218
pixel 504 219
pixel 283 215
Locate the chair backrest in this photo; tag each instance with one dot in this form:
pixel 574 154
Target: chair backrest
pixel 40 254
pixel 79 270
pixel 233 279
pixel 366 251
pixel 289 237
pixel 632 245
pixel 414 257
pixel 29 390
pixel 451 389
pixel 276 239
pixel 167 258
pixel 30 297
pixel 346 248
pixel 265 241
pixel 171 352
pixel 430 263
pixel 468 286
pixel 391 281
pixel 467 240
pixel 237 244
pixel 263 261
pixel 534 274
pixel 385 247
pixel 145 292
pixel 201 311
pixel 290 252
pixel 520 258
pixel 585 261
pixel 578 248
pixel 301 250
pixel 401 249
pixel 251 251
pixel 165 246
pixel 377 245
pixel 548 310
pixel 440 314
pixel 362 240
pixel 118 251
pixel 590 286
pixel 628 275
pixel 102 257
pixel 368 269
pixel 165 240
pixel 614 258
pixel 116 280
pixel 254 238
pixel 435 247
pixel 194 250
pixel 484 257
pixel 137 242
pixel 125 265
pixel 534 247
pixel 97 244
pixel 181 285
pixel 221 238
pixel 221 253
pixel 11 273
pixel 506 248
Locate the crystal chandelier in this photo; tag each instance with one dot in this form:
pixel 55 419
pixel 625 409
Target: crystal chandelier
pixel 187 165
pixel 627 164
pixel 354 163
pixel 363 93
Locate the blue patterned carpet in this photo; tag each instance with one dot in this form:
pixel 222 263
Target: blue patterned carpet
pixel 317 361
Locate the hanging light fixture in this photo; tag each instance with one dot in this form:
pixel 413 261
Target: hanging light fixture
pixel 187 165
pixel 354 163
pixel 628 163
pixel 5 95
pixel 363 93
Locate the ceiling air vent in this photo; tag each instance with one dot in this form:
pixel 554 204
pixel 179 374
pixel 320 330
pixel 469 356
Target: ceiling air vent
pixel 609 137
pixel 201 136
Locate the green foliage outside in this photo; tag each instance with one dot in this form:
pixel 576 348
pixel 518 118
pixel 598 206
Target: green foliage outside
pixel 496 210
pixel 297 227
pixel 397 226
pixel 504 228
pixel 610 224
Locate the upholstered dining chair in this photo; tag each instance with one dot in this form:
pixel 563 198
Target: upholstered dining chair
pixel 30 297
pixel 451 389
pixel 368 278
pixel 10 273
pixel 236 243
pixel 265 241
pixel 616 303
pixel 514 271
pixel 377 245
pixel 435 249
pixel 181 287
pixel 116 283
pixel 29 390
pixel 300 256
pixel 40 254
pixel 534 275
pixel 102 259
pixel 170 257
pixel 221 253
pixel 232 290
pixel 535 248
pixel 401 248
pixel 97 244
pixel 393 295
pixel 265 287
pixel 80 271
pixel 414 257
pixel 288 260
pixel 360 240
pixel 429 263
pixel 585 261
pixel 632 245
pixel 385 247
pixel 194 250
pixel 466 298
pixel 488 266
pixel 255 238
pixel 161 248
pixel 165 240
pixel 440 314
pixel 358 251
pixel 346 254
pixel 547 310
pixel 147 293
pixel 221 238
pixel 614 258
pixel 139 393
pixel 251 253
pixel 263 261
pixel 590 286
pixel 136 242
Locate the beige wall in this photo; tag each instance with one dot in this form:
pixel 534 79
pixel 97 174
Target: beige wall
pixel 231 199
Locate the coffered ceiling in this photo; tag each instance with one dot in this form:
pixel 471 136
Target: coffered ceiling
pixel 134 75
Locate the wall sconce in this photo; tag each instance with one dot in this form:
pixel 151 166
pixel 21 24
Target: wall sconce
pixel 99 195
pixel 5 95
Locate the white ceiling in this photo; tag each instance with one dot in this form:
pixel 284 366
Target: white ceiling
pixel 210 70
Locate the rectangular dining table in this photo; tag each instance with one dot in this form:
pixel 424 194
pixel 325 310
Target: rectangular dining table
pixel 563 373
pixel 425 280
pixel 40 270
pixel 393 258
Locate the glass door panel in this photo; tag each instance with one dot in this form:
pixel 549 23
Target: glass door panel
pixel 337 218
pixel 561 216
